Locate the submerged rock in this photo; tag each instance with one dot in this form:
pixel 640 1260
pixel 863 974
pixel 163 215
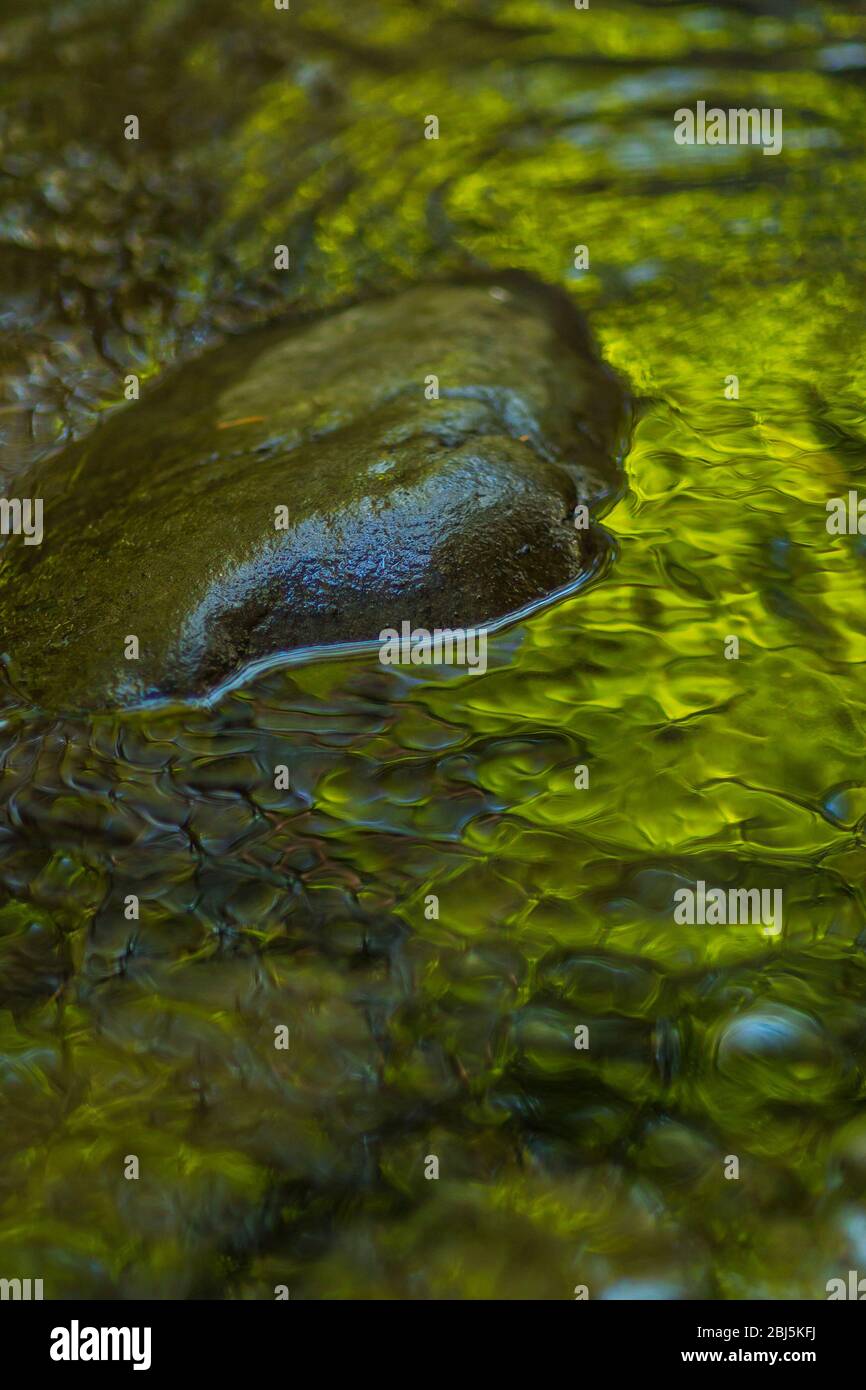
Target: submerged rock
pixel 300 486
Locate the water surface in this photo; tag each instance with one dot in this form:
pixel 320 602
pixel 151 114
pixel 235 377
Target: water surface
pixel 414 1036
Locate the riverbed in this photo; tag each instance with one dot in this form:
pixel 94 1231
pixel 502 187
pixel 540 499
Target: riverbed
pixel 452 1034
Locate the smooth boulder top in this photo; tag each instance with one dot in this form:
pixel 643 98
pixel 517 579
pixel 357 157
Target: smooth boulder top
pixel 446 513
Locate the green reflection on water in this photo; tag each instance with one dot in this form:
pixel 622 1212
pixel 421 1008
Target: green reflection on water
pixel 413 1036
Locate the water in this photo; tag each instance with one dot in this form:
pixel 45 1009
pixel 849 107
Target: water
pixel 414 1036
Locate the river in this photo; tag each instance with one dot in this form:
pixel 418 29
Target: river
pixel 435 906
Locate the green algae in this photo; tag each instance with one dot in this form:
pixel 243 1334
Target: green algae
pixel 454 1036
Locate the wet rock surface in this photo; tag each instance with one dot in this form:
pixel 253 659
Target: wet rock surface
pixel 308 907
pixel 313 484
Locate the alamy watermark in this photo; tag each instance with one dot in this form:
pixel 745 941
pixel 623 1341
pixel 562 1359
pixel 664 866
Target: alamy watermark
pixel 846 516
pixel 855 1287
pixel 76 1343
pixel 441 647
pixel 737 126
pixel 22 516
pixel 714 907
pixel 24 1289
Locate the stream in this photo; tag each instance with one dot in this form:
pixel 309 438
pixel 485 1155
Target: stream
pixel 435 907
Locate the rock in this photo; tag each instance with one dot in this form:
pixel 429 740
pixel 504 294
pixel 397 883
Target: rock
pixel 444 513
